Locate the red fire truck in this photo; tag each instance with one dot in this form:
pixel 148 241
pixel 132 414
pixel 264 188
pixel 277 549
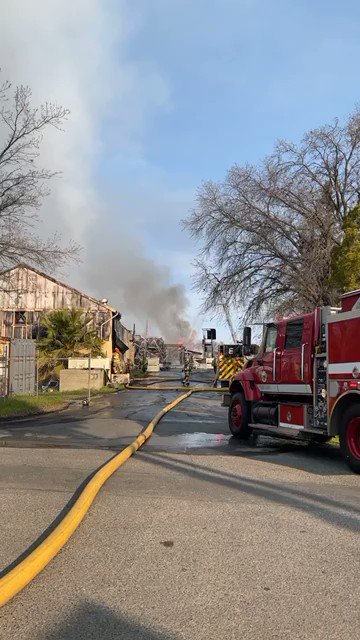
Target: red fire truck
pixel 304 382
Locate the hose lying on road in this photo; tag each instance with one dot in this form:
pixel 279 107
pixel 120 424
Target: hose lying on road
pixel 19 576
pixel 168 388
pixel 151 387
pixel 153 380
pixel 134 383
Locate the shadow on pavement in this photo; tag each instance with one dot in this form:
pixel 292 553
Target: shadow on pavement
pixel 92 621
pixel 318 459
pixel 331 511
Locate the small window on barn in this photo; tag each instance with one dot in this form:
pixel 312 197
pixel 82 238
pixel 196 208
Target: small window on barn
pixel 20 317
pixel 294 332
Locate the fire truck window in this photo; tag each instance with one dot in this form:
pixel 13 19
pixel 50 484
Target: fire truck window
pixel 271 334
pixel 294 333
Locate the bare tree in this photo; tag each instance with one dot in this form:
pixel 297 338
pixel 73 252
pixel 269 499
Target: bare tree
pixel 268 231
pixel 23 184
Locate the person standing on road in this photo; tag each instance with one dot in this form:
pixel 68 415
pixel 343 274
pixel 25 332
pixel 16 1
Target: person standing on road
pixel 216 363
pixel 187 368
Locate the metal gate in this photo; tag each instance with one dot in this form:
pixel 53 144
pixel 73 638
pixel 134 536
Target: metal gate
pixel 22 371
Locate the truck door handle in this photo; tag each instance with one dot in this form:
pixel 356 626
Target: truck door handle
pixel 274 365
pixel 302 360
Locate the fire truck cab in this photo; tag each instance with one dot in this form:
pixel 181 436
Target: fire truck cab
pixel 304 382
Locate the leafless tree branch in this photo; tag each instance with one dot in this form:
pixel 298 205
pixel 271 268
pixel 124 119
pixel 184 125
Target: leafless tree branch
pixel 267 232
pixel 23 184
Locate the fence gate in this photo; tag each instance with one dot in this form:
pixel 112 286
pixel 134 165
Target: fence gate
pixel 22 373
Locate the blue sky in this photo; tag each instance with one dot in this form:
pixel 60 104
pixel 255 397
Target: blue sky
pixel 233 77
pixel 240 74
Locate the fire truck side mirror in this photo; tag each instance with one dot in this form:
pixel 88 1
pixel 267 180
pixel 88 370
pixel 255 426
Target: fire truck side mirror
pixel 247 341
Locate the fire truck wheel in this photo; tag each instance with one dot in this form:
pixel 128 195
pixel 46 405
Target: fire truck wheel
pixel 350 437
pixel 239 417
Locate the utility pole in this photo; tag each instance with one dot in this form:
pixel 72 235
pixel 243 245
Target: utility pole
pixel 146 343
pixel 89 378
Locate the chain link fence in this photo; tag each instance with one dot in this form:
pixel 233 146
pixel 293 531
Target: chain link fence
pixel 24 372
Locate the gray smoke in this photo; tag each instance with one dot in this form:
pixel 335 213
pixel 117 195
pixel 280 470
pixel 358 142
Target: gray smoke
pixel 73 53
pixel 138 287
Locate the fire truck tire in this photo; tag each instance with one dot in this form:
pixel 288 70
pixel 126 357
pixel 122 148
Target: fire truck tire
pixel 349 436
pixel 239 417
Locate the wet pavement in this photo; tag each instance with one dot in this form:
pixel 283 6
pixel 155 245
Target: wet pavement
pixel 198 425
pixel 113 421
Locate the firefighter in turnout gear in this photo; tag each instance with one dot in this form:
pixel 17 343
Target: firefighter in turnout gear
pixel 187 368
pixel 215 365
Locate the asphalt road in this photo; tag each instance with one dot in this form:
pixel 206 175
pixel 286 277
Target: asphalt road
pixel 196 537
pixel 113 420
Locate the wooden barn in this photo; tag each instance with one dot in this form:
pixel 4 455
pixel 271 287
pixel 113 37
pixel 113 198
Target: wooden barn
pixel 26 294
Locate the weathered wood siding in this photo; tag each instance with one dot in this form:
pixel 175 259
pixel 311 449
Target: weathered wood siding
pixel 22 289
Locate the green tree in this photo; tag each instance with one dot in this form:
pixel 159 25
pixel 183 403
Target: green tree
pixel 66 333
pixel 345 259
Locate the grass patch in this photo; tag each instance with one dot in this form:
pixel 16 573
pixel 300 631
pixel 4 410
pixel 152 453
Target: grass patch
pixel 20 405
pixel 109 389
pixel 136 373
pixel 28 405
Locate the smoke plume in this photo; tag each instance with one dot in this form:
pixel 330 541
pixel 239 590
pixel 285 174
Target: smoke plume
pixel 140 289
pixel 74 53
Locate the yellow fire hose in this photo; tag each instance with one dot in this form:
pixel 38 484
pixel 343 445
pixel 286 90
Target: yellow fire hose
pixel 192 389
pixel 26 570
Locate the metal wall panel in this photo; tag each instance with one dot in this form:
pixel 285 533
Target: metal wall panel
pixel 22 374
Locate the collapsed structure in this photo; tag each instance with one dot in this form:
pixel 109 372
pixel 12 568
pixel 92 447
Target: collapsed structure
pixel 152 353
